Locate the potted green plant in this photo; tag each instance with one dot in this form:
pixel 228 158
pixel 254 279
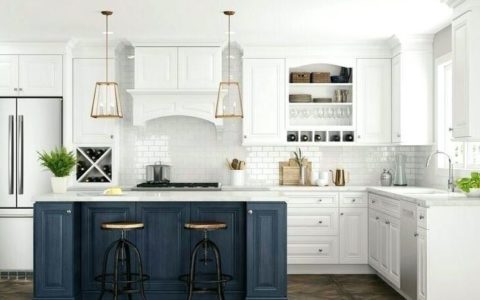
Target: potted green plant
pixel 470 185
pixel 60 162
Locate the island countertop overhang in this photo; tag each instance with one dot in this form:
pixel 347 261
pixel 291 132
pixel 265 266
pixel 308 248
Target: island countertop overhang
pixel 166 196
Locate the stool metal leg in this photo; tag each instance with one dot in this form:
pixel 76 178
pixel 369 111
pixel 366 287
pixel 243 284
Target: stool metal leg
pixel 140 267
pixel 218 260
pixel 104 268
pixel 193 268
pixel 128 267
pixel 115 270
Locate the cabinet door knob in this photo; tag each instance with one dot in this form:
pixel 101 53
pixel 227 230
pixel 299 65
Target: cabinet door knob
pixel 373 201
pixel 20 89
pixel 15 89
pixel 398 135
pixel 112 136
pixel 245 136
pixel 421 217
pixel 377 218
pixel 358 136
pixel 341 214
pixel 387 222
pixel 450 129
pixel 320 222
pixel 415 235
pixel 250 212
pixel 68 211
pixel 320 250
pixel 353 200
pixel 320 200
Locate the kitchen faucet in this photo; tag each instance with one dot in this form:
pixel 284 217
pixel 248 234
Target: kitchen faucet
pixel 451 186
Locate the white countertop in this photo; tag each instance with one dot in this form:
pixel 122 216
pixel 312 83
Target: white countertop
pixel 291 188
pixel 141 196
pixel 426 197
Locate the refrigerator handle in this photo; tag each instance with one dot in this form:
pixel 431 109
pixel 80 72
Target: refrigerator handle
pixel 11 165
pixel 20 155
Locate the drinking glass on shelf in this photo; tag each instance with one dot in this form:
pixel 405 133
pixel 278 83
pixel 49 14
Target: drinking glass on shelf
pixel 293 113
pixel 349 112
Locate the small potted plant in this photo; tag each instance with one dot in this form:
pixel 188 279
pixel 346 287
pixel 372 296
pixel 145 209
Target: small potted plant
pixel 60 162
pixel 300 160
pixel 470 185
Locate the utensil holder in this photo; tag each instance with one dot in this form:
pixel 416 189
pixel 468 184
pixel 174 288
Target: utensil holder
pixel 237 177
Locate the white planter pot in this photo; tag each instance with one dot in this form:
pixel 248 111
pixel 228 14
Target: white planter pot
pixel 59 184
pixel 474 193
pixel 237 177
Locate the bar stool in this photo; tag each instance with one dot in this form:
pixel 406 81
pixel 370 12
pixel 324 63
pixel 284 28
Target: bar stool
pixel 217 279
pixel 122 280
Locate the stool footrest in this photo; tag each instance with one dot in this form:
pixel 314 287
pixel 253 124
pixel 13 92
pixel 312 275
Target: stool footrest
pixel 206 278
pixel 108 278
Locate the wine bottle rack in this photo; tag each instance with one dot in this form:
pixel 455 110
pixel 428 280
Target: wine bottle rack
pixel 94 165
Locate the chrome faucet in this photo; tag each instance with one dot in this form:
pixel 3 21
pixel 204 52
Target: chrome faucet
pixel 451 186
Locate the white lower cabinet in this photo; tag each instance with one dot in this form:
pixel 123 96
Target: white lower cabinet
pixel 421 264
pixel 353 236
pixel 384 242
pixel 324 230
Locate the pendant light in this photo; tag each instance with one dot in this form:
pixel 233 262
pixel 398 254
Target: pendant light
pixel 229 98
pixel 106 101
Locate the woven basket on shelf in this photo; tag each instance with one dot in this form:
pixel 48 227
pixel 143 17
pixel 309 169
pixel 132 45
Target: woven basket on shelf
pixel 300 77
pixel 320 77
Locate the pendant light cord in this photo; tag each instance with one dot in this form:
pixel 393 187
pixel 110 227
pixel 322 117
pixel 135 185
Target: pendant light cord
pixel 106 48
pixel 229 71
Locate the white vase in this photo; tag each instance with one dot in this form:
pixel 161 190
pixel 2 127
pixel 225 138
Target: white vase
pixel 59 184
pixel 237 177
pixel 474 193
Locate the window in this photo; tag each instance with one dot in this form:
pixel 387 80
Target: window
pixel 465 155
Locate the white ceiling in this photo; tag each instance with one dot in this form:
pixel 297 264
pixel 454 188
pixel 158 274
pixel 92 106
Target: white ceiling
pixel 260 22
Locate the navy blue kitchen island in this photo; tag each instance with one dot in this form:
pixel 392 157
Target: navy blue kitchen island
pixel 69 243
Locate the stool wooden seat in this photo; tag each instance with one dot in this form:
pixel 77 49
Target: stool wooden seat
pixel 205 225
pixel 122 225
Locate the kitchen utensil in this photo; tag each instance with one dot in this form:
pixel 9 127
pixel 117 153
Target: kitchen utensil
pixel 386 178
pixel 341 177
pixel 157 173
pixel 235 164
pixel 400 178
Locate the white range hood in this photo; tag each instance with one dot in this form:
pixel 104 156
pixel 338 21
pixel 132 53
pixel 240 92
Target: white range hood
pixel 152 104
pixel 176 79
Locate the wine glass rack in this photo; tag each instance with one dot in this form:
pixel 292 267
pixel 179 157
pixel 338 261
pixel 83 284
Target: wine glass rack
pixel 94 165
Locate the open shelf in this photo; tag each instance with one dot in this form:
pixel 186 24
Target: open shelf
pixel 321 103
pixel 320 84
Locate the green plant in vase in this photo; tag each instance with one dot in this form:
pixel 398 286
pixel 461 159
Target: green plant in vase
pixel 61 163
pixel 300 160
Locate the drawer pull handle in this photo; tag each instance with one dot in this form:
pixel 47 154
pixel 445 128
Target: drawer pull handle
pixel 341 214
pixel 68 211
pixel 387 222
pixel 421 217
pixel 373 201
pixel 320 222
pixel 377 218
pixel 250 212
pixel 415 235
pixel 320 250
pixel 353 200
pixel 320 200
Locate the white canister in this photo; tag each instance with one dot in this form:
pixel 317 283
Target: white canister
pixel 237 177
pixel 323 178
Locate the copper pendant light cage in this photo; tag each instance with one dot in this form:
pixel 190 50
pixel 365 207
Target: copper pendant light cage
pixel 229 97
pixel 106 100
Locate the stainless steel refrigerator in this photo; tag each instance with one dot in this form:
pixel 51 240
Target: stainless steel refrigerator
pixel 27 125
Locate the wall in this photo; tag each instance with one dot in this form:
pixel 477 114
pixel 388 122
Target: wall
pixel 442 42
pixel 197 152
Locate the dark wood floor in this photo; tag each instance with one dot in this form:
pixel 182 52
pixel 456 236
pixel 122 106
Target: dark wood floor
pixel 300 287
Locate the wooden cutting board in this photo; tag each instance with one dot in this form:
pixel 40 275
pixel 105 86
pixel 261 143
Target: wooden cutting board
pixel 289 172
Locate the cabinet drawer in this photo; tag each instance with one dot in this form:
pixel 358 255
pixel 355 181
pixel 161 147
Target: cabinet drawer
pixel 324 251
pixel 422 217
pixel 353 200
pixel 305 221
pixel 315 199
pixel 386 205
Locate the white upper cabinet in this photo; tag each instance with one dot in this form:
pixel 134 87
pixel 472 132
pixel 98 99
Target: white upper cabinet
pixel 87 130
pixel 412 94
pixel 353 236
pixel 373 100
pixel 199 67
pixel 156 67
pixel 264 101
pixel 8 75
pixel 31 75
pixel 178 68
pixel 40 75
pixel 466 75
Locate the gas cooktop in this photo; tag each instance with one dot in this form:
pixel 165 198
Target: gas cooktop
pixel 178 186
